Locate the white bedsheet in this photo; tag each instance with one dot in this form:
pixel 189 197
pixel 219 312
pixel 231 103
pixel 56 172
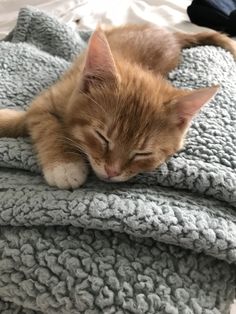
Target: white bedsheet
pixel 168 13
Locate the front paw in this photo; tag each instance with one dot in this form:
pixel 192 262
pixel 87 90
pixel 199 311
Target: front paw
pixel 66 175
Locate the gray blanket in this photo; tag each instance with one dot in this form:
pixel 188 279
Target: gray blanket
pixel 163 242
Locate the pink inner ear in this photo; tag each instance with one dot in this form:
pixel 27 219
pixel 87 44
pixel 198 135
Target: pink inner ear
pixel 99 61
pixel 189 105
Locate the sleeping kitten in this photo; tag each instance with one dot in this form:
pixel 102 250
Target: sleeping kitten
pixel 114 107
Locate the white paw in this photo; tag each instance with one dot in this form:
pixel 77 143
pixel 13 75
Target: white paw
pixel 66 175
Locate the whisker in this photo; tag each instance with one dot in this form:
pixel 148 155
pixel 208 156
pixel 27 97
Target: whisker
pixel 78 154
pixel 74 153
pixel 77 147
pixel 69 141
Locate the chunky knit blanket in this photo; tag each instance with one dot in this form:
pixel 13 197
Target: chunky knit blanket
pixel 163 242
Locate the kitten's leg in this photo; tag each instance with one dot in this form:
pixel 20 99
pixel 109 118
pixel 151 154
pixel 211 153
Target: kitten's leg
pixel 12 123
pixel 62 167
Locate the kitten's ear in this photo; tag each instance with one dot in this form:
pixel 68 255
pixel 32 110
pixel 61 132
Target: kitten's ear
pixel 99 63
pixel 188 106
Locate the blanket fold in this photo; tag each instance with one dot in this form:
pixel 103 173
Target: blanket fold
pixel 164 242
pixel 107 272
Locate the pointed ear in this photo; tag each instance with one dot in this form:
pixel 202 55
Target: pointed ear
pixel 188 106
pixel 99 63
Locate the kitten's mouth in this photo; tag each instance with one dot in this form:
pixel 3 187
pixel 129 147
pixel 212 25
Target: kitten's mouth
pixel 102 175
pixel 110 179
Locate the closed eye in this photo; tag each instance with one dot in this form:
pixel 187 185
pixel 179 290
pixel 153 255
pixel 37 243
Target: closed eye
pixel 140 155
pixel 103 138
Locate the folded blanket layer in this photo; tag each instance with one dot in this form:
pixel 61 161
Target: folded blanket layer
pixel 189 202
pixel 69 270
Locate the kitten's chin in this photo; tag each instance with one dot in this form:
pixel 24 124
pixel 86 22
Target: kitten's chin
pixel 101 174
pixel 112 179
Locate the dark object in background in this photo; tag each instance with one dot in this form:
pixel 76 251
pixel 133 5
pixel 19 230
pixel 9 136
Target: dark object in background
pixel 217 14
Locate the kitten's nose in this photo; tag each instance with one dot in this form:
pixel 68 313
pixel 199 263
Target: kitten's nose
pixel 111 171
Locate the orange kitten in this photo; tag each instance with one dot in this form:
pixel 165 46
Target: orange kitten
pixel 113 107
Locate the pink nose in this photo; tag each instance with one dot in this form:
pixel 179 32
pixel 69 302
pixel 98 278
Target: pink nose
pixel 111 172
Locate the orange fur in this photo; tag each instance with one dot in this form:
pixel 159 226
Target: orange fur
pixel 114 107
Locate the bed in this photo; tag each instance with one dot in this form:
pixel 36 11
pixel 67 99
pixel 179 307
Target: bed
pixel 167 13
pixel 18 288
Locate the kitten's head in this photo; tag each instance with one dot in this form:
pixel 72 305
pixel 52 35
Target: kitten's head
pixel 126 119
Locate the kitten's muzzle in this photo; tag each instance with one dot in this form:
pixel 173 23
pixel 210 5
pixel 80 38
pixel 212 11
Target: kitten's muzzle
pixel 111 171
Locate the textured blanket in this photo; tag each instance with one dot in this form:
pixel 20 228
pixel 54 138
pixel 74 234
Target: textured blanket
pixel 164 242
